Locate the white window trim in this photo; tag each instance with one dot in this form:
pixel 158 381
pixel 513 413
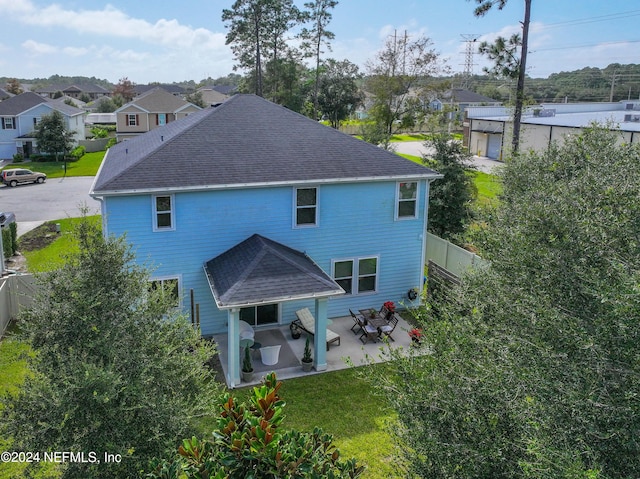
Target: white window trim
pixel 177 277
pixel 355 271
pixel 172 212
pixel 295 207
pixel 132 116
pixel 397 203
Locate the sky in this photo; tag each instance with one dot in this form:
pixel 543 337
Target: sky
pixel 179 40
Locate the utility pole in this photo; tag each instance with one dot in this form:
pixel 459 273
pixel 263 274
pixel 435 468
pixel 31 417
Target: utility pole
pixel 614 77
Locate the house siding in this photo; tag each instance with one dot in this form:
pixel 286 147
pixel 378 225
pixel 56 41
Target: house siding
pixel 354 220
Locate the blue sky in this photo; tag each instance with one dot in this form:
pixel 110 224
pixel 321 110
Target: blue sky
pixel 171 40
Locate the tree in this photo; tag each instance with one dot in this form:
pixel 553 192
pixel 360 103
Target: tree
pixel 52 135
pixel 483 7
pixel 196 99
pixel 124 89
pixel 14 87
pixel 116 368
pixel 504 53
pixel 532 363
pixel 395 75
pixel 338 93
pixel 450 198
pixel 313 39
pixel 257 28
pixel 248 442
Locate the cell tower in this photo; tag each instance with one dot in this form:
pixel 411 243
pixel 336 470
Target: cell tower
pixel 470 39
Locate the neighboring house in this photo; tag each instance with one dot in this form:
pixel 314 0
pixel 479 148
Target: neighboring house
pixel 175 90
pixel 150 110
pixel 21 113
pixel 256 211
pixel 458 99
pixel 214 95
pixel 487 130
pixel 4 94
pixel 74 91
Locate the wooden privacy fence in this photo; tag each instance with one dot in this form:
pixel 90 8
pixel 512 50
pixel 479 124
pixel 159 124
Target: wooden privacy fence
pixel 16 293
pixel 454 259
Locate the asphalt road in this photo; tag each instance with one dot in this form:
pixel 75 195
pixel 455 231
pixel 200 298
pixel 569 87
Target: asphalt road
pixel 56 198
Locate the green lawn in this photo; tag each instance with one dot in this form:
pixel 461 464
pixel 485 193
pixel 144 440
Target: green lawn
pixel 86 166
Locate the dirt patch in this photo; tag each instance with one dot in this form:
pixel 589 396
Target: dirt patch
pixel 38 238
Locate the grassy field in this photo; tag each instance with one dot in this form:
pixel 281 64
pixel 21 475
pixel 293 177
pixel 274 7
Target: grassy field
pixel 86 166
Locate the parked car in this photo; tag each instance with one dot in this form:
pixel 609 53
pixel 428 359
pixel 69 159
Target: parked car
pixel 14 176
pixel 6 219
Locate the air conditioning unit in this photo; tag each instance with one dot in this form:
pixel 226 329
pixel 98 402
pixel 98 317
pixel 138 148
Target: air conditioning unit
pixel 632 118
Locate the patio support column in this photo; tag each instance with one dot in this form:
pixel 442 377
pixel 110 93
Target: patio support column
pixel 233 348
pixel 320 338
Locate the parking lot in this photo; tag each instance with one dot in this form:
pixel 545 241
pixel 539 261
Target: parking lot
pixel 55 199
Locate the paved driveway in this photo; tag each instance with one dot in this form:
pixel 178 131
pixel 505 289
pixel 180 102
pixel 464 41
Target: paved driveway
pixel 54 199
pixel 417 148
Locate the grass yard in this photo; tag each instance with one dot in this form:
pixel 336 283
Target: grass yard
pixel 86 166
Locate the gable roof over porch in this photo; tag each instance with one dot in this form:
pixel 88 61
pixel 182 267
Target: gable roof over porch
pixel 262 271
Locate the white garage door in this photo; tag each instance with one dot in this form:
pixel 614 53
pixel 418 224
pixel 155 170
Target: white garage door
pixel 493 148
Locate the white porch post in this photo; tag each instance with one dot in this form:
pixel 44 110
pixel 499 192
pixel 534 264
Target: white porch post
pixel 233 348
pixel 320 338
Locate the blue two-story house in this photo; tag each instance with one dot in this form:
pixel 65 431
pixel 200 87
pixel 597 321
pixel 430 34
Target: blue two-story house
pixel 255 211
pixel 19 116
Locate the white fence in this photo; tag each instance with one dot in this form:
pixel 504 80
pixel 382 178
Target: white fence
pixel 16 293
pixel 454 259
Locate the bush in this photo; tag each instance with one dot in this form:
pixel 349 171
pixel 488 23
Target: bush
pixel 18 158
pixel 111 142
pixel 10 240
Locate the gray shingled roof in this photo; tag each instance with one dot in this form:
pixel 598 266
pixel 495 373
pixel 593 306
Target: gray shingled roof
pixel 17 104
pixel 260 271
pixel 157 100
pixel 245 141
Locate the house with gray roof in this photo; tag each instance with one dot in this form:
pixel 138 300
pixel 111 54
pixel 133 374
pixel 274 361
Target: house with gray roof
pixel 250 212
pixel 74 91
pixel 154 108
pixel 19 116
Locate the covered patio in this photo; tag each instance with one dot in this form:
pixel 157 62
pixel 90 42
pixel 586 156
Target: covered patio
pixel 289 366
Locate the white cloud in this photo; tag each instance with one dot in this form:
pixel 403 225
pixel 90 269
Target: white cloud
pixel 37 48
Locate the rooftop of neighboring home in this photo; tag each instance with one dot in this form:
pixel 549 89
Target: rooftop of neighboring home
pixel 157 100
pixel 173 89
pixel 623 115
pixel 25 101
pixel 77 87
pixel 246 142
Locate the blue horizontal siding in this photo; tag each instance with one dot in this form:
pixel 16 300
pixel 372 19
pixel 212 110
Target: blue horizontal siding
pixel 354 220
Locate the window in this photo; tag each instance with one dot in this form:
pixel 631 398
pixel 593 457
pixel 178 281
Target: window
pixel 358 275
pixel 168 286
pixel 306 206
pixel 8 123
pixel 132 120
pixel 407 195
pixel 260 315
pixel 163 213
pixel 161 119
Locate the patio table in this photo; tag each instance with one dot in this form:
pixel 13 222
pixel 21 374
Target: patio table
pixel 377 322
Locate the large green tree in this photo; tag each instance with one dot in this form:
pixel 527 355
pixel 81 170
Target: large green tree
pixel 395 78
pixel 116 369
pixel 451 197
pixel 52 135
pixel 530 368
pixel 319 15
pixel 338 93
pixel 485 6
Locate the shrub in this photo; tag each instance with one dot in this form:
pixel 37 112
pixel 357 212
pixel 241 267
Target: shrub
pixel 78 152
pixel 18 158
pixel 111 142
pixel 7 244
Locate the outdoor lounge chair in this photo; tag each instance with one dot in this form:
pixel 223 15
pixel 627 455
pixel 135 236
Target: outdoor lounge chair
pixel 306 322
pixel 388 329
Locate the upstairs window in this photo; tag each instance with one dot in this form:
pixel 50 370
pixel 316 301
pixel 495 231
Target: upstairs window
pixel 357 275
pixel 306 211
pixel 407 200
pixel 163 213
pixel 132 120
pixel 170 288
pixel 8 123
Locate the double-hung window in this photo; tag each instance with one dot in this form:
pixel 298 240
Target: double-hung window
pixel 163 213
pixel 407 200
pixel 306 207
pixel 357 275
pixel 132 119
pixel 8 123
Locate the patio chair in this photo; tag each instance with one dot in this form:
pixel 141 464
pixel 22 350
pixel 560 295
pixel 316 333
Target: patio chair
pixel 388 328
pixel 369 333
pixel 270 354
pixel 247 334
pixel 358 322
pixel 306 322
